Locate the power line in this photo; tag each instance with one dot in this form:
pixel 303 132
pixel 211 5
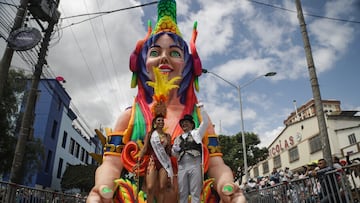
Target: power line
pixel 307 14
pixel 147 4
pixel 88 67
pixel 102 57
pixel 112 11
pixel 102 13
pixel 8 4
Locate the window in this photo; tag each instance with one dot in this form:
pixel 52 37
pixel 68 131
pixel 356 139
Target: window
pixel 315 144
pixel 265 166
pixel 72 145
pixel 82 154
pixel 293 154
pixel 77 150
pixel 48 161
pixel 58 175
pixel 63 144
pixel 277 161
pixel 352 138
pixel 59 103
pixel 256 171
pixel 87 157
pixel 53 131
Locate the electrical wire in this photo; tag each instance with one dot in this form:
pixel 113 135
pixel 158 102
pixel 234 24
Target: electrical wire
pixel 117 74
pixel 8 4
pixel 99 14
pixel 305 14
pixel 112 11
pixel 103 58
pixel 89 70
pixel 30 56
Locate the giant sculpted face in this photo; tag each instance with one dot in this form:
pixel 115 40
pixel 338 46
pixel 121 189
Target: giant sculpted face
pixel 167 55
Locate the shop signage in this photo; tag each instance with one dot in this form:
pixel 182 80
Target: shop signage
pixel 24 38
pixel 281 145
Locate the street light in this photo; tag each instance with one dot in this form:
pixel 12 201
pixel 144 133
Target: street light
pixel 238 87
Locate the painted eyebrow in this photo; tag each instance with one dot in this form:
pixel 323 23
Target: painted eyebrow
pixel 171 46
pixel 176 46
pixel 155 45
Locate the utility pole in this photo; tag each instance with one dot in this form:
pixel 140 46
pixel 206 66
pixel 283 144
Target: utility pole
pixel 46 11
pixel 315 88
pixel 9 52
pixel 28 117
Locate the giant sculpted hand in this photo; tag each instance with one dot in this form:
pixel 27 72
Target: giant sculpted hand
pixel 228 191
pixel 105 175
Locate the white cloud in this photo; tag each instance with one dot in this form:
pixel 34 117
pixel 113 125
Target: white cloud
pixel 239 40
pixel 268 137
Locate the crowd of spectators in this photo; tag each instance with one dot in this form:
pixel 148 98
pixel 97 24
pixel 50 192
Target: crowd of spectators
pixel 278 176
pixel 316 181
pixel 275 177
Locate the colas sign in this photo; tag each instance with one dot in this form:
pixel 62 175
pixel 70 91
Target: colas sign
pixel 281 145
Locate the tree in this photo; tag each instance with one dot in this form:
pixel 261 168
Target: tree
pixel 231 147
pixel 9 114
pixel 10 119
pixel 79 176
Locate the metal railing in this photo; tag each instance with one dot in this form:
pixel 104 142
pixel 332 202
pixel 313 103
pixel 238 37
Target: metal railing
pixel 13 193
pixel 337 186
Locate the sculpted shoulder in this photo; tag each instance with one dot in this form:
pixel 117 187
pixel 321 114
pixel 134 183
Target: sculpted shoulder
pixel 123 120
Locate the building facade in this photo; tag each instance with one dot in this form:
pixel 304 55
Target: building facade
pixel 300 143
pixel 64 142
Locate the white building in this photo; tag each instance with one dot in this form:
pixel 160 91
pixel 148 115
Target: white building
pixel 300 143
pixel 73 147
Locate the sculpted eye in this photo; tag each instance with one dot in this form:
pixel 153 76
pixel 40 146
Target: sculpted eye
pixel 154 53
pixel 175 54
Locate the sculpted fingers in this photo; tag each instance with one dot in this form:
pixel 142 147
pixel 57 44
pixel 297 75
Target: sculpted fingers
pixel 106 192
pixel 102 194
pixel 232 193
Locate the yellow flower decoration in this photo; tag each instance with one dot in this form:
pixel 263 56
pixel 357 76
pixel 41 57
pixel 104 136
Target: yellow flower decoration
pixel 162 85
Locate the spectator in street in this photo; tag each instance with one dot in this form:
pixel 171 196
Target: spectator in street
pixel 275 176
pixel 336 163
pixel 329 188
pixel 310 168
pixel 288 175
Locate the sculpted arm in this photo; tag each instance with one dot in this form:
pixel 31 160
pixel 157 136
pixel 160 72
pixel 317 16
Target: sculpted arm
pixel 109 170
pixel 223 176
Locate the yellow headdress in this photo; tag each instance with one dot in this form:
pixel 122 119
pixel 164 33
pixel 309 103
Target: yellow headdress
pixel 166 21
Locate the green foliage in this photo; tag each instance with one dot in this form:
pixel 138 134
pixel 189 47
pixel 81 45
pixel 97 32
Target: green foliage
pixel 9 114
pixel 79 177
pixel 10 122
pixel 232 149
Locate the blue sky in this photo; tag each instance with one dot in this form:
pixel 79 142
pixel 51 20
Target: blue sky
pixel 237 39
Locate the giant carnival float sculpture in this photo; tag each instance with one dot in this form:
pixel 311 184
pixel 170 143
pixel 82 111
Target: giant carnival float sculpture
pixel 166 74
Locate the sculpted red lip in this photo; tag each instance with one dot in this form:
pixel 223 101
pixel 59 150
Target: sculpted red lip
pixel 165 68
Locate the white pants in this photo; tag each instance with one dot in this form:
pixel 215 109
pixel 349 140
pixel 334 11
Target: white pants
pixel 190 178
